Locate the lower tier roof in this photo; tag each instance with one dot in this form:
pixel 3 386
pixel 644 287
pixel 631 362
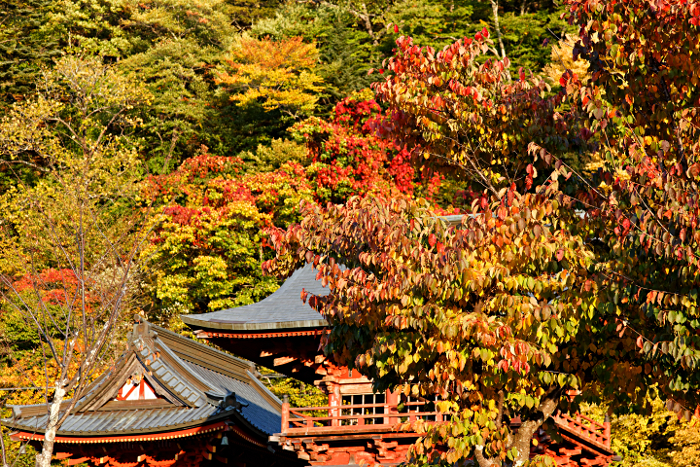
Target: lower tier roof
pixel 188 385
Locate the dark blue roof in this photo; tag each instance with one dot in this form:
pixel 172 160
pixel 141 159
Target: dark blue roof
pixel 283 309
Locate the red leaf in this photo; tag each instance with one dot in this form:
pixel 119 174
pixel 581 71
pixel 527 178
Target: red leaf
pixel 432 239
pixel 560 254
pixel 396 28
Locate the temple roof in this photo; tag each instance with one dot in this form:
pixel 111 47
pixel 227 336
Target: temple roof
pixel 284 309
pixel 163 383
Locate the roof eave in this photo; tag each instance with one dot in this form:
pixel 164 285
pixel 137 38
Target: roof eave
pixel 125 434
pixel 206 324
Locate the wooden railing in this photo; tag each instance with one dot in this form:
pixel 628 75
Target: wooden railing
pixel 354 417
pixel 385 416
pixel 586 428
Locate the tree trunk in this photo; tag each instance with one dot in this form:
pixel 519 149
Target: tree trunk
pixel 523 7
pixel 2 446
pixel 522 441
pixel 497 26
pixel 481 459
pixel 523 437
pixel 43 459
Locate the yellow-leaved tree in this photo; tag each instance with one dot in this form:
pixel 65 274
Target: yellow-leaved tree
pixel 273 74
pixel 71 229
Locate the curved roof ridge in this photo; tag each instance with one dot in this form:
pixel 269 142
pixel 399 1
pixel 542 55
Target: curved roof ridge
pixel 283 309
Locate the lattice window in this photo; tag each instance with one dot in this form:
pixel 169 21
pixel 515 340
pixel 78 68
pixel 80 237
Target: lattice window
pixel 408 407
pixel 364 399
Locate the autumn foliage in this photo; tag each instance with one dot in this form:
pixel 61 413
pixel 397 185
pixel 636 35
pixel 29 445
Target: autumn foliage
pixel 274 74
pixel 209 241
pixel 573 271
pixel 348 158
pixel 561 279
pixel 207 246
pixel 454 112
pixel 459 313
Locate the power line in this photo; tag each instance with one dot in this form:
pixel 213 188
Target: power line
pixel 19 389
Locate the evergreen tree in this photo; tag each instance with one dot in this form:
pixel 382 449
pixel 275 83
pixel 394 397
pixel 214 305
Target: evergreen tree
pixel 24 47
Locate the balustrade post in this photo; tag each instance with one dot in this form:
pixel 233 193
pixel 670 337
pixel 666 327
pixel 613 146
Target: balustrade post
pixel 385 419
pixel 607 431
pixel 285 414
pixel 579 425
pixel 335 401
pixel 393 400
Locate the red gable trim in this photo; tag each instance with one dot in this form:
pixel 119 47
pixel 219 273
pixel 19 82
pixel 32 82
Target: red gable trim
pixel 23 435
pixel 210 334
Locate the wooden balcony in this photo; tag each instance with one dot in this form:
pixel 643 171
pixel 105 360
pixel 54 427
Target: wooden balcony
pixel 586 428
pixel 334 434
pixel 354 418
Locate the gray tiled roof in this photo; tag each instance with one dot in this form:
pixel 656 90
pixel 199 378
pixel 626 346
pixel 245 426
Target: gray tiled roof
pixel 192 379
pixel 283 309
pixel 115 423
pixel 258 413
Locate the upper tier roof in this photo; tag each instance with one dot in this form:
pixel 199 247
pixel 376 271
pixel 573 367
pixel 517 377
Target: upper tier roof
pixel 284 309
pixel 189 385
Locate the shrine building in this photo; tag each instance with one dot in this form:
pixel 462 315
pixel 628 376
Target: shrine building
pixel 170 401
pixel 283 333
pixel 167 402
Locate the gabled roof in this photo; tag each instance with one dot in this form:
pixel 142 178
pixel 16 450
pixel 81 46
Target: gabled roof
pixel 284 309
pixel 188 384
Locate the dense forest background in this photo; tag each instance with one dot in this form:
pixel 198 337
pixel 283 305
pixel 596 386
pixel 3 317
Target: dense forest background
pixel 225 115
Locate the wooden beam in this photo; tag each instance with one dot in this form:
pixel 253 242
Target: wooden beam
pixel 283 360
pixel 77 461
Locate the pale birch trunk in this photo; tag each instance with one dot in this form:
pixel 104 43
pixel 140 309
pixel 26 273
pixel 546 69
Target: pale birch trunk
pixel 497 26
pixel 43 459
